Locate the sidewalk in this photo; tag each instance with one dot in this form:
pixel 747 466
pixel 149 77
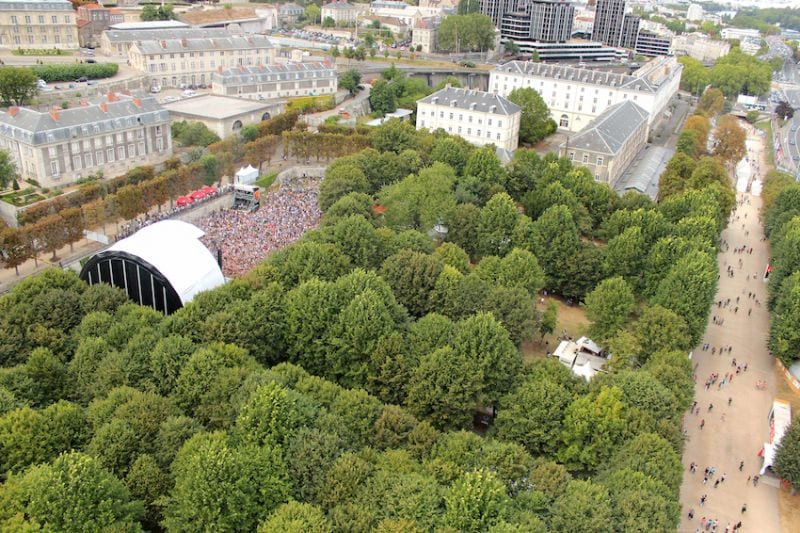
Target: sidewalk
pixel 737 432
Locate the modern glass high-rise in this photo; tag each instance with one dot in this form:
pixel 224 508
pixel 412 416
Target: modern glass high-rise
pixel 547 21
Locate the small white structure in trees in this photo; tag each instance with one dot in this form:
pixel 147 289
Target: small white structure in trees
pixel 584 357
pixel 247 175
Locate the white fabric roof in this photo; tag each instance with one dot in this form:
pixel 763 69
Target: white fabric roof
pixel 174 248
pixel 769 457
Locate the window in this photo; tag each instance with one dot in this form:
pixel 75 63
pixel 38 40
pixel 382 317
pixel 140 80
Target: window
pixel 460 117
pixel 110 155
pixel 130 135
pixel 67 20
pixel 459 129
pixel 141 148
pixel 131 150
pixel 159 144
pixel 120 153
pixel 13 19
pixel 500 123
pixel 58 39
pixel 27 19
pixel 98 157
pixel 140 134
pixel 469 131
pixel 451 116
pixel 87 158
pixel 76 162
pixel 54 168
pixel 41 19
pixel 74 148
pixel 585 158
pixel 479 133
pixel 489 122
pixel 599 161
pixel 54 19
pixel 52 152
pixel 564 122
pixel 158 130
pixel 109 140
pixel 30 39
pixel 572 156
pixel 498 135
pixel 422 123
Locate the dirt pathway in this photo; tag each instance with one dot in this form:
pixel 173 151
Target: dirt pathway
pixel 736 432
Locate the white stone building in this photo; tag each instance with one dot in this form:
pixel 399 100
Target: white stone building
pixel 266 82
pixel 700 47
pixel 172 62
pixel 117 40
pixel 738 33
pixel 479 117
pixel 38 24
pixel 424 35
pixel 576 96
pixel 694 13
pixel 112 136
pixel 343 13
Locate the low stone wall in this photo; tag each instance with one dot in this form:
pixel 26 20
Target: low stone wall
pixel 291 174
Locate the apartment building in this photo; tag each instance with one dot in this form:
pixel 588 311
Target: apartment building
pixel 38 24
pixel 608 21
pixel 479 117
pixel 424 34
pixel 343 13
pixel 576 96
pixel 58 147
pixel 267 82
pixel 651 44
pixel 172 62
pixel 93 20
pixel 609 144
pixel 700 46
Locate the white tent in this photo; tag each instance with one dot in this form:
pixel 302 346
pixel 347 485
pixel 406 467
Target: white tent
pixel 247 175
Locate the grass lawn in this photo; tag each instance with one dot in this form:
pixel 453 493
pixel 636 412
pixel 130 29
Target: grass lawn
pixel 265 182
pixel 766 126
pixel 570 318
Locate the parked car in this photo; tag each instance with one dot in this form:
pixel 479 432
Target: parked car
pixel 91 83
pixel 155 89
pixel 188 93
pixel 41 84
pixel 90 60
pixel 82 79
pixel 171 99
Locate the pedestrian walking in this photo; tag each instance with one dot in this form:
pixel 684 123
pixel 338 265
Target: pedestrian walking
pixel 702 423
pixel 741 466
pixel 744 508
pixel 703 500
pixel 755 480
pixel 691 514
pixel 710 407
pixel 730 400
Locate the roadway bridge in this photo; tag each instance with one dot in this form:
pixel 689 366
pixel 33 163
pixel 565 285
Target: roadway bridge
pixel 468 77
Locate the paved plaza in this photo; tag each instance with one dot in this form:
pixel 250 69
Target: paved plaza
pixel 736 432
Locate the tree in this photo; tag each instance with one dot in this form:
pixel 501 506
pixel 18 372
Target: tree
pixel 594 425
pixel 350 79
pixel 784 338
pixel 313 12
pixel 784 109
pixel 15 247
pixel 475 502
pixel 653 456
pixel 640 502
pixel 412 276
pixel 17 85
pixel 221 488
pixel 787 457
pixel 445 388
pixel 549 319
pixel 730 139
pixel 466 33
pixel 608 306
pixel 584 507
pixel 162 12
pixel 328 22
pixel 535 123
pixel 689 143
pixel 497 222
pixel 8 170
pixel 695 77
pixel 511 48
pixel 625 254
pixel 660 329
pixel 296 517
pixel 341 179
pixel 557 240
pixel 532 415
pixel 421 200
pixel 74 493
pixel 382 98
pixel 711 103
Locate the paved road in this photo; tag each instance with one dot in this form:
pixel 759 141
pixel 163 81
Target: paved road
pixel 737 432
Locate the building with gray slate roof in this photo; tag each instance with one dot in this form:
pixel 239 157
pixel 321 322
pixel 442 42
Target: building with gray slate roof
pixel 191 61
pixel 576 96
pixel 477 116
pixel 610 142
pixel 57 148
pixel 38 24
pixel 117 41
pixel 267 82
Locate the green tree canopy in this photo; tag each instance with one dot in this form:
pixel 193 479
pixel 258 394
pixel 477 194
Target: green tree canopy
pixel 535 123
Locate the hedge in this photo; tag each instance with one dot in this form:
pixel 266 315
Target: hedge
pixel 70 72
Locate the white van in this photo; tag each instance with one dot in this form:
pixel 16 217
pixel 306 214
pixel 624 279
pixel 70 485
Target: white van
pixel 188 93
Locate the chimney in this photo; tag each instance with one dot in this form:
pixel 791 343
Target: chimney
pixel 184 43
pixel 13 110
pixel 137 102
pixel 54 113
pixel 104 107
pixel 163 44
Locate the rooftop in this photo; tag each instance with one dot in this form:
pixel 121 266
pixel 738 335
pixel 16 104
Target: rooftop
pixel 251 73
pixel 35 5
pixel 107 113
pixel 338 4
pixel 176 30
pixel 215 107
pixel 609 131
pixel 567 72
pixel 214 16
pixel 471 99
pixel 230 42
